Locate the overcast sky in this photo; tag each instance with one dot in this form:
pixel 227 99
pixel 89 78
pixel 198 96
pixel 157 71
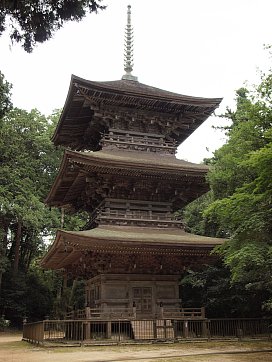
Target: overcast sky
pixel 204 48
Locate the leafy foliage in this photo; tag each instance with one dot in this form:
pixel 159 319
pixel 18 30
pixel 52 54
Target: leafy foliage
pixel 35 21
pixel 29 163
pixel 212 287
pixel 25 177
pixel 196 223
pixel 241 180
pixel 5 96
pixel 239 205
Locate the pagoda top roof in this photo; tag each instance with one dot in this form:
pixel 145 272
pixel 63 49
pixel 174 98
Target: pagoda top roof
pixel 134 87
pixel 85 96
pixel 70 180
pixel 125 239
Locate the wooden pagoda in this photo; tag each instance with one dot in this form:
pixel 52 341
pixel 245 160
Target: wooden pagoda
pixel 121 168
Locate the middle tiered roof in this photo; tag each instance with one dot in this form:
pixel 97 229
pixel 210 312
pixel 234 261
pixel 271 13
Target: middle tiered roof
pixel 99 173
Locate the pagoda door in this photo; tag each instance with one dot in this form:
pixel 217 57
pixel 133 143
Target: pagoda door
pixel 142 297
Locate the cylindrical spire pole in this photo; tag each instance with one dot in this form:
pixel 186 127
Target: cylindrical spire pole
pixel 128 55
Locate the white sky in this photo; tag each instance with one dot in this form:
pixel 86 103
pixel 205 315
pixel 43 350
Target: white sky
pixel 204 48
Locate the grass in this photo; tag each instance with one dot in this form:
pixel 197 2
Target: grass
pixel 15 345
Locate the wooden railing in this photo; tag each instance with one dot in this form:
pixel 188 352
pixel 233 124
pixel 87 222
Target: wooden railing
pixel 34 332
pixel 140 141
pixel 108 331
pixel 184 313
pixel 138 216
pixel 130 313
pixel 98 313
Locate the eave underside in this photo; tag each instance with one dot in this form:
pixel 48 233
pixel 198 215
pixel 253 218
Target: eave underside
pixel 85 98
pixel 113 249
pixel 79 169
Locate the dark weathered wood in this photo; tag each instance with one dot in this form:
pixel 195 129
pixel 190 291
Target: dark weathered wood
pixel 131 184
pixel 94 107
pixel 105 331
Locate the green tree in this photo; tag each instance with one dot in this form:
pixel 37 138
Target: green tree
pixel 196 222
pixel 5 106
pixel 35 21
pixel 29 163
pixel 212 288
pixel 241 182
pixel 5 96
pixel 25 177
pixel 239 206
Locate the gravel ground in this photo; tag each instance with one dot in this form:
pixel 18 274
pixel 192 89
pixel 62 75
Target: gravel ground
pixel 12 349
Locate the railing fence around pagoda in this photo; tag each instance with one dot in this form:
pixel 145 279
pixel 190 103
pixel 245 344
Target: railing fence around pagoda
pixel 131 313
pixel 122 331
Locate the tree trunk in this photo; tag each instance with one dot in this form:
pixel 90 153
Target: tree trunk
pixel 3 249
pixel 72 291
pixel 17 248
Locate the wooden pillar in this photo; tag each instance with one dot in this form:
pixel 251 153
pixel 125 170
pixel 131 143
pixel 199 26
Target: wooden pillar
pixel 165 328
pixel 134 310
pixel 155 329
pixel 161 310
pixel 204 328
pixel 88 312
pixel 108 332
pixel 175 329
pixel 88 330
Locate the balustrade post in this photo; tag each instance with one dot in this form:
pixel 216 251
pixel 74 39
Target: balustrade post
pixel 155 329
pixel 87 334
pixel 134 310
pixel 88 312
pixel 239 334
pixel 186 329
pixel 108 335
pixel 175 329
pixel 202 312
pixel 204 329
pixel 161 310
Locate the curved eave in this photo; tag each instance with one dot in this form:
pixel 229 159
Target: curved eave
pixel 138 160
pixel 120 163
pixel 118 93
pixel 136 89
pixel 67 246
pixel 65 109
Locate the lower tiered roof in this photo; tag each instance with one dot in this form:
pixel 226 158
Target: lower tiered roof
pixel 123 240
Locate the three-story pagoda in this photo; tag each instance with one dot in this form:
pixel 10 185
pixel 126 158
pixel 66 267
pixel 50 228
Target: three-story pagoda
pixel 121 168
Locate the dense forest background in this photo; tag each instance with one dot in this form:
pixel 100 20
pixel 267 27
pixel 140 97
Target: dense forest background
pixel 238 208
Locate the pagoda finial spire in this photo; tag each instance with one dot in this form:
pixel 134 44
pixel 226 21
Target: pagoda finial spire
pixel 128 60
